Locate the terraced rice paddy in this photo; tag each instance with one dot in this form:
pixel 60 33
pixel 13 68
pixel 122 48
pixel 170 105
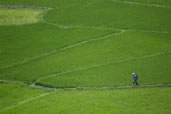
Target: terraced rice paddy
pixel 77 56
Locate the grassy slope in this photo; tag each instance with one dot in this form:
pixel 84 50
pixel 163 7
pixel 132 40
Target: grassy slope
pixel 41 38
pixel 105 13
pixel 38 39
pixel 124 101
pixel 112 14
pixel 11 94
pixel 116 74
pixel 113 49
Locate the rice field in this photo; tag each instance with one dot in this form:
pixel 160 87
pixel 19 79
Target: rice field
pixel 77 56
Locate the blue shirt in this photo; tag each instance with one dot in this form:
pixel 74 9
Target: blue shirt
pixel 135 77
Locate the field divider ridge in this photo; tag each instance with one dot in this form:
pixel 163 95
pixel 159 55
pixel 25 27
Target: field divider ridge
pixel 102 28
pixel 50 88
pixel 23 6
pixel 101 87
pixel 142 4
pixel 79 88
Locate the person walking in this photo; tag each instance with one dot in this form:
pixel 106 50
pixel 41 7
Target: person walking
pixel 135 79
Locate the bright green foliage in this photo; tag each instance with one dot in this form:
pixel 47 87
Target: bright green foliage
pixel 22 43
pixel 115 74
pixel 113 49
pixel 25 42
pixel 107 13
pixel 83 43
pixel 124 101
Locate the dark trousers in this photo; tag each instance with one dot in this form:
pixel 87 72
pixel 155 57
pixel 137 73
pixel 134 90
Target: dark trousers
pixel 135 82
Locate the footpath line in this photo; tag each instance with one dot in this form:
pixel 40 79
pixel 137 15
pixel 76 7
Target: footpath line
pixel 142 4
pixel 48 88
pixel 23 6
pixel 103 88
pixel 76 89
pixel 103 28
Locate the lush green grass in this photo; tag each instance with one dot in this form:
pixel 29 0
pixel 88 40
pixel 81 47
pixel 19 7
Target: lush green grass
pixel 116 74
pixel 19 16
pixel 33 50
pixel 124 101
pixel 28 41
pixel 11 94
pixel 107 13
pixel 25 42
pixel 114 48
pixel 104 13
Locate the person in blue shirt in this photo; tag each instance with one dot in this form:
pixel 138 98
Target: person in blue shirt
pixel 135 79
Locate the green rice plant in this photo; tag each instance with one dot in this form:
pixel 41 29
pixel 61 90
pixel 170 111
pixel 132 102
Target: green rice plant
pixel 122 101
pixel 11 94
